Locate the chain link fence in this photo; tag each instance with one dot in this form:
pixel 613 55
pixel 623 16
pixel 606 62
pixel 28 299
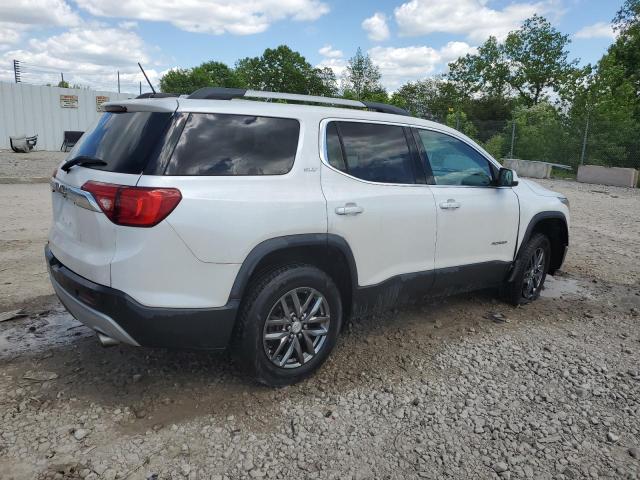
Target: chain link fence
pixel 588 140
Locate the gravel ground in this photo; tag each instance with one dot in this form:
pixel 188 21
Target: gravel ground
pixel 446 389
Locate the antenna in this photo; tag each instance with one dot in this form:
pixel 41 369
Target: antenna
pixel 145 76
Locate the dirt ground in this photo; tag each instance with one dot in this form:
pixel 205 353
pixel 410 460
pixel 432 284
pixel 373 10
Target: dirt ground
pixel 32 167
pixel 439 390
pixel 24 224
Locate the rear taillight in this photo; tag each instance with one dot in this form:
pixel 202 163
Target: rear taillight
pixel 134 206
pixel 55 172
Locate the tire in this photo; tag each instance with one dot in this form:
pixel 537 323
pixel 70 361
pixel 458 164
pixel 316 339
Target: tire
pixel 520 291
pixel 261 348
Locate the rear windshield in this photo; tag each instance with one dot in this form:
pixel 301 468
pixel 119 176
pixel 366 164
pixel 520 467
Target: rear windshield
pixel 123 140
pixel 224 144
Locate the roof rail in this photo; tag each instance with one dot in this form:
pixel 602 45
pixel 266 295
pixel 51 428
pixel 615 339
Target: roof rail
pixel 219 93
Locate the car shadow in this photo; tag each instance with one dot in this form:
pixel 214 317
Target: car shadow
pixel 151 388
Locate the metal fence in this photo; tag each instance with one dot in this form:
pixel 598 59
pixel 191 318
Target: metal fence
pixel 588 141
pixel 129 80
pixel 27 110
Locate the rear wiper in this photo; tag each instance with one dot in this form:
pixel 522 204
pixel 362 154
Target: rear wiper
pixel 81 160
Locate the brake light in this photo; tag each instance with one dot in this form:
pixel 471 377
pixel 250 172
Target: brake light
pixel 134 206
pixel 55 172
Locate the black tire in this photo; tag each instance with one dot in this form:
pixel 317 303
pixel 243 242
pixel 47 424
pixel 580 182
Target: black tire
pixel 262 296
pixel 518 292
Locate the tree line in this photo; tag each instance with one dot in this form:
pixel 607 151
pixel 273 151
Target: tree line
pixel 522 96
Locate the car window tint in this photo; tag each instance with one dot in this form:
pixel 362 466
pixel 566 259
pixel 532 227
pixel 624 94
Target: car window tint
pixel 376 152
pixel 334 149
pixel 222 144
pixel 453 162
pixel 125 141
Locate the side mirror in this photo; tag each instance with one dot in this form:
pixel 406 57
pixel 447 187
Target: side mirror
pixel 507 178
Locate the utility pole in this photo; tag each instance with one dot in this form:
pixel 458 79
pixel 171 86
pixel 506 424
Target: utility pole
pixel 62 78
pixel 140 88
pixel 584 140
pixel 118 81
pixel 513 136
pixel 16 70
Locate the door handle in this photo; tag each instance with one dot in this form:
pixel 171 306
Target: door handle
pixel 349 209
pixel 450 204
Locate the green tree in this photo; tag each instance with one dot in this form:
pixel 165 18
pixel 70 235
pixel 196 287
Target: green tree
pixel 284 70
pixel 537 54
pixel 460 121
pixel 207 74
pixel 327 83
pixel 362 79
pixel 627 17
pixel 431 98
pixel 608 98
pixel 496 146
pixel 531 61
pixel 487 71
pixel 541 134
pixel 625 51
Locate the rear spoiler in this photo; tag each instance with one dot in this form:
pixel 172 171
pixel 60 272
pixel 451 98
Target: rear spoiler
pixel 164 103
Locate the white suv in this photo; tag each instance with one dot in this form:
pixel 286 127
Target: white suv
pixel 210 220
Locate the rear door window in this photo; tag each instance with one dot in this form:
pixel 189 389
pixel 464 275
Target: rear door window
pixel 223 144
pixel 370 151
pixel 125 141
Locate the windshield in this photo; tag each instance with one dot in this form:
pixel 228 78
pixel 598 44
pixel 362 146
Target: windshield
pixel 123 140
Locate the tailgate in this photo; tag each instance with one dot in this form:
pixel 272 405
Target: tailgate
pixel 81 236
pixel 115 150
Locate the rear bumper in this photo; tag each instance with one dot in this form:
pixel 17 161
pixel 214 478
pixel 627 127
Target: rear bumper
pixel 115 314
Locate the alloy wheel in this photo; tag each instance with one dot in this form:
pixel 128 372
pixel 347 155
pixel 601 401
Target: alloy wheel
pixel 296 328
pixel 534 274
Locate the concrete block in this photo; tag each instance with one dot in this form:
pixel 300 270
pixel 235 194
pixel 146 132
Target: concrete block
pixel 529 168
pixel 619 177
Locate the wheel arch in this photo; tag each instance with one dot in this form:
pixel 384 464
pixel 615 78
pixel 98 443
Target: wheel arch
pixel 328 252
pixel 554 225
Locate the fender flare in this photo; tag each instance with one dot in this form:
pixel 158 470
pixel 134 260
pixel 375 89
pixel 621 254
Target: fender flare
pixel 537 218
pixel 260 251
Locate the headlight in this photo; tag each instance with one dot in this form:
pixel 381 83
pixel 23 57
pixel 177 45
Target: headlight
pixel 564 200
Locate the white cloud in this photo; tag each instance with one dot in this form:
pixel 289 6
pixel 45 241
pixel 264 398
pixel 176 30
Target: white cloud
pixel 240 17
pixel 597 30
pixel 334 59
pixel 399 65
pixel 19 16
pixel 376 27
pixel 10 33
pixel 329 52
pixel 87 56
pixel 38 12
pixel 128 24
pixel 473 18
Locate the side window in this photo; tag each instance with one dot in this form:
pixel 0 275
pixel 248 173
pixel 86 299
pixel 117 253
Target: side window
pixel 453 162
pixel 222 144
pixel 371 151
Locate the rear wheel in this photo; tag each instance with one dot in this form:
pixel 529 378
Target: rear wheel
pixel 531 271
pixel 288 324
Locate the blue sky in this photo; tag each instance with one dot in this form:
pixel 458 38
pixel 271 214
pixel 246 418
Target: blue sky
pixel 89 40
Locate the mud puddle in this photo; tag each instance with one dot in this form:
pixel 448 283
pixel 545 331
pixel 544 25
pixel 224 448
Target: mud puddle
pixel 33 335
pixel 561 286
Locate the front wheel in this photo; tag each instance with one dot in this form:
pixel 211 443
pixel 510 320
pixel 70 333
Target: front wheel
pixel 288 324
pixel 531 271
